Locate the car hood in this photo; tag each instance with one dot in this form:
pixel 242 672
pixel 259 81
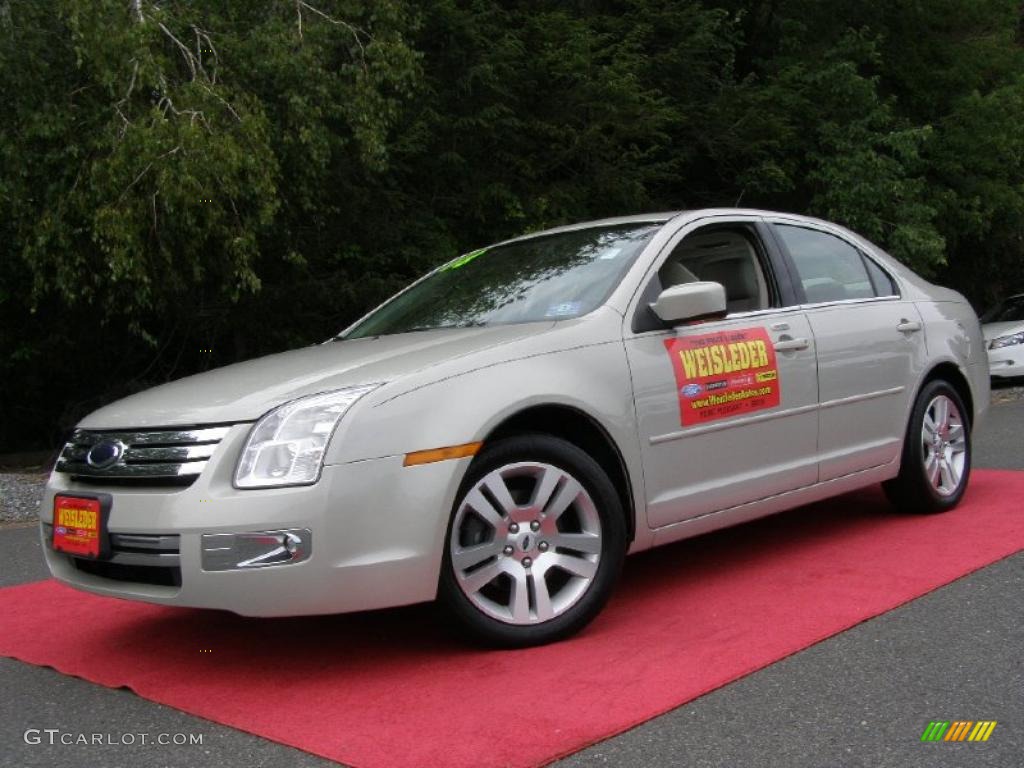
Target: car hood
pixel 995 330
pixel 245 391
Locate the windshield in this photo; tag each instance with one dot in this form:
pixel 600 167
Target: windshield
pixel 550 277
pixel 1010 311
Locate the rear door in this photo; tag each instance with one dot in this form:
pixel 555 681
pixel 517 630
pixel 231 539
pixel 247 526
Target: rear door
pixel 870 343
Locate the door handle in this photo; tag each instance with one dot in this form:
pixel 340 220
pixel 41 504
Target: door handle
pixel 908 326
pixel 791 345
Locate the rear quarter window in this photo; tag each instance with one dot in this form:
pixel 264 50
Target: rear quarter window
pixel 884 284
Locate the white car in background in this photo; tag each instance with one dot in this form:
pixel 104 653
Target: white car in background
pixel 502 432
pixel 1003 326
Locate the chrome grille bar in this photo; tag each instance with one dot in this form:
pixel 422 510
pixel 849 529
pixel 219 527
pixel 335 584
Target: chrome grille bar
pixel 154 436
pixel 167 542
pixel 177 453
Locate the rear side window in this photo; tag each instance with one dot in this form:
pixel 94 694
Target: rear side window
pixel 828 268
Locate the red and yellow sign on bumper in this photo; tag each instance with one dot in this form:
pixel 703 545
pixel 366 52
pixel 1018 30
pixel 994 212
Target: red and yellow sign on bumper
pixel 77 525
pixel 724 374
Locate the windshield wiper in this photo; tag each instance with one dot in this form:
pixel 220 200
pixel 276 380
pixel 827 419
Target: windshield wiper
pixel 418 328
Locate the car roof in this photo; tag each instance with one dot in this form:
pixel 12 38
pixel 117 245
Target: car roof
pixel 612 221
pixel 663 217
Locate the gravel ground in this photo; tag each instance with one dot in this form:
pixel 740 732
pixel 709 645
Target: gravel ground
pixel 20 495
pixel 1004 394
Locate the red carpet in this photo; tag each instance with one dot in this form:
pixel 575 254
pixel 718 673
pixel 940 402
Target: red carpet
pixel 396 688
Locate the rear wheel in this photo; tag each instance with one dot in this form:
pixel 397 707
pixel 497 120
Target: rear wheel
pixel 936 453
pixel 535 544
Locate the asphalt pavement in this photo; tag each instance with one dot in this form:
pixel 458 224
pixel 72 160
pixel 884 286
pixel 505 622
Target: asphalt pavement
pixel 860 698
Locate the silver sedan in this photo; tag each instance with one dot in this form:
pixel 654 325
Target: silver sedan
pixel 505 430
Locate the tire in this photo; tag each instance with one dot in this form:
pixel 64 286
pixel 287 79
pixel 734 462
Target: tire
pixel 936 463
pixel 535 543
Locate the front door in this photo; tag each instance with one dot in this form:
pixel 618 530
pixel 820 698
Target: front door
pixel 726 410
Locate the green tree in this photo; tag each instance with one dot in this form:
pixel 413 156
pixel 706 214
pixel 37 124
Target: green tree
pixel 243 177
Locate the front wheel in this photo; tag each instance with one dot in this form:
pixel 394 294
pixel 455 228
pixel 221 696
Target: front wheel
pixel 936 453
pixel 536 542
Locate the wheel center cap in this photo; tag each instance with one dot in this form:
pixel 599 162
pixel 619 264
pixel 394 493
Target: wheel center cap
pixel 526 542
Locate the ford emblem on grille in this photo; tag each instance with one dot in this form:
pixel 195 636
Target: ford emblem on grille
pixel 105 453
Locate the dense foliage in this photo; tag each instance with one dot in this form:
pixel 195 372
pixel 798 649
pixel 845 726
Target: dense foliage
pixel 185 183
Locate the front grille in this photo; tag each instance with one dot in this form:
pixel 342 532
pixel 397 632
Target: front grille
pixel 143 558
pixel 151 457
pixel 136 574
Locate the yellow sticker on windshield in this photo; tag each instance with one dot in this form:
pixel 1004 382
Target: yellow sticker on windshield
pixel 464 259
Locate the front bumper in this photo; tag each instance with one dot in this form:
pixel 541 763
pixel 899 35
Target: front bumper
pixel 377 536
pixel 1006 362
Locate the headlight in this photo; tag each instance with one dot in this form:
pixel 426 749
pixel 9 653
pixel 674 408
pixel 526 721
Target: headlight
pixel 286 447
pixel 1007 341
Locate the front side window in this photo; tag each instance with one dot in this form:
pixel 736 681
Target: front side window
pixel 829 268
pixel 720 255
pixel 549 277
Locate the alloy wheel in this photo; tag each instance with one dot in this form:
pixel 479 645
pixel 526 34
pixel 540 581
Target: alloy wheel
pixel 526 542
pixel 944 439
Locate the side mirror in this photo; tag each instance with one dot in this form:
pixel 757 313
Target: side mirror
pixel 689 301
